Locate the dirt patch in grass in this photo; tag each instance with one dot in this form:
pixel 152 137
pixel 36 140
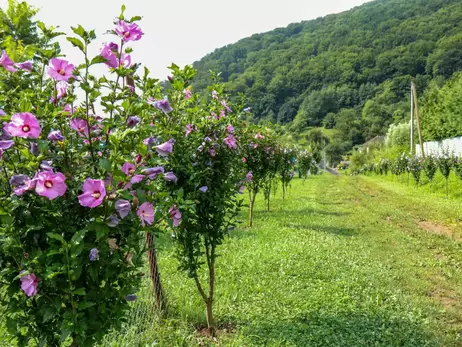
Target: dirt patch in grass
pixel 437 229
pixel 446 297
pixel 203 334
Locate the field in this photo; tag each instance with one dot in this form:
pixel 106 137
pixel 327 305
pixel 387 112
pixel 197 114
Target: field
pixel 344 261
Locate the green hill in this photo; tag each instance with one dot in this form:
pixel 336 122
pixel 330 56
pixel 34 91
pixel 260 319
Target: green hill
pixel 350 71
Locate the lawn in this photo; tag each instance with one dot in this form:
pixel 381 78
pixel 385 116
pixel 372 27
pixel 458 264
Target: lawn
pixel 344 261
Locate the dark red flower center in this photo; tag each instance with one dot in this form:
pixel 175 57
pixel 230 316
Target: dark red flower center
pixel 62 72
pixel 131 171
pixel 96 195
pixel 26 128
pixel 127 34
pixel 48 184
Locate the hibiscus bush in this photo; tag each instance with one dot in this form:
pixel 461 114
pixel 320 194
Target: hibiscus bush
pixel 416 167
pixel 259 156
pixel 287 168
pixel 79 187
pixel 208 169
pixel 445 164
pixel 305 163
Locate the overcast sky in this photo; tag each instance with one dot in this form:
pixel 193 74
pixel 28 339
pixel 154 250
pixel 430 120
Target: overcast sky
pixel 181 31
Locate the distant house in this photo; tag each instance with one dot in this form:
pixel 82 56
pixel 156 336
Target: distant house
pixel 372 143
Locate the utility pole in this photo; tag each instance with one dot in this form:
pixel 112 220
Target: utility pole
pixel 416 107
pixel 412 122
pixel 324 152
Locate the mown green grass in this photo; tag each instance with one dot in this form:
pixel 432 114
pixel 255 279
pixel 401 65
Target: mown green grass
pixel 344 261
pixel 341 262
pixel 436 188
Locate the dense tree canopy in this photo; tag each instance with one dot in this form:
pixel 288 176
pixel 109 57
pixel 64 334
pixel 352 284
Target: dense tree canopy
pixel 349 71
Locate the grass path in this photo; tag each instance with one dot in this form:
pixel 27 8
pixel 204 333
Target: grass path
pixel 345 261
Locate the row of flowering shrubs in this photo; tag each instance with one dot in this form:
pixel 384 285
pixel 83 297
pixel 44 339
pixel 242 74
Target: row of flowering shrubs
pixel 93 167
pixel 416 166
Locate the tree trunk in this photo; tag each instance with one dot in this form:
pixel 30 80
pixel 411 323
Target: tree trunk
pixel 210 320
pixel 447 188
pixel 252 203
pixel 155 274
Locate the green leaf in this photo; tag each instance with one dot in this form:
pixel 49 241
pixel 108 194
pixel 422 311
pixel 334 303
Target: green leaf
pixel 78 237
pixel 98 60
pixel 85 304
pixel 122 10
pixel 76 43
pixel 135 19
pixel 105 164
pixel 57 237
pixel 80 291
pixel 102 230
pixel 80 31
pixel 125 194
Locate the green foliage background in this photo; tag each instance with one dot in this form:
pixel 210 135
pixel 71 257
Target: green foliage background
pixel 349 71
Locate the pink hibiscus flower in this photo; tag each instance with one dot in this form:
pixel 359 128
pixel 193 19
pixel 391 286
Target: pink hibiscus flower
pixel 24 125
pixel 50 185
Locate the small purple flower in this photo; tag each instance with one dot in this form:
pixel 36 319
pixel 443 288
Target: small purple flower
pixel 6 62
pixel 230 129
pixel 163 105
pixel 2 112
pixel 55 136
pixel 241 189
pixel 200 148
pixel 93 256
pixel 131 297
pixel 112 221
pixel 128 31
pixel 18 180
pixel 22 184
pixel 61 88
pixel 60 69
pixel 46 165
pixel 230 141
pixel 27 65
pixel 189 129
pixel 204 189
pixel 165 149
pixel 110 55
pixel 136 179
pixel 150 141
pixel 93 194
pixel 170 177
pixel 249 176
pixel 153 172
pixel 146 213
pixel 223 103
pixel 6 144
pixel 34 149
pixel 207 139
pixel 29 284
pixel 212 152
pixel 187 93
pixel 175 214
pixel 123 208
pixel 132 121
pixel 215 95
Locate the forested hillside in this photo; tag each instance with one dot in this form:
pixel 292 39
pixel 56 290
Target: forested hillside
pixel 349 71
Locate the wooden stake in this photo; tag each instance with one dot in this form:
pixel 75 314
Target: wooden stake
pixel 412 122
pixel 416 106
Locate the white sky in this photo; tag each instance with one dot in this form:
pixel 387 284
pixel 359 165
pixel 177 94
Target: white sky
pixel 181 31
